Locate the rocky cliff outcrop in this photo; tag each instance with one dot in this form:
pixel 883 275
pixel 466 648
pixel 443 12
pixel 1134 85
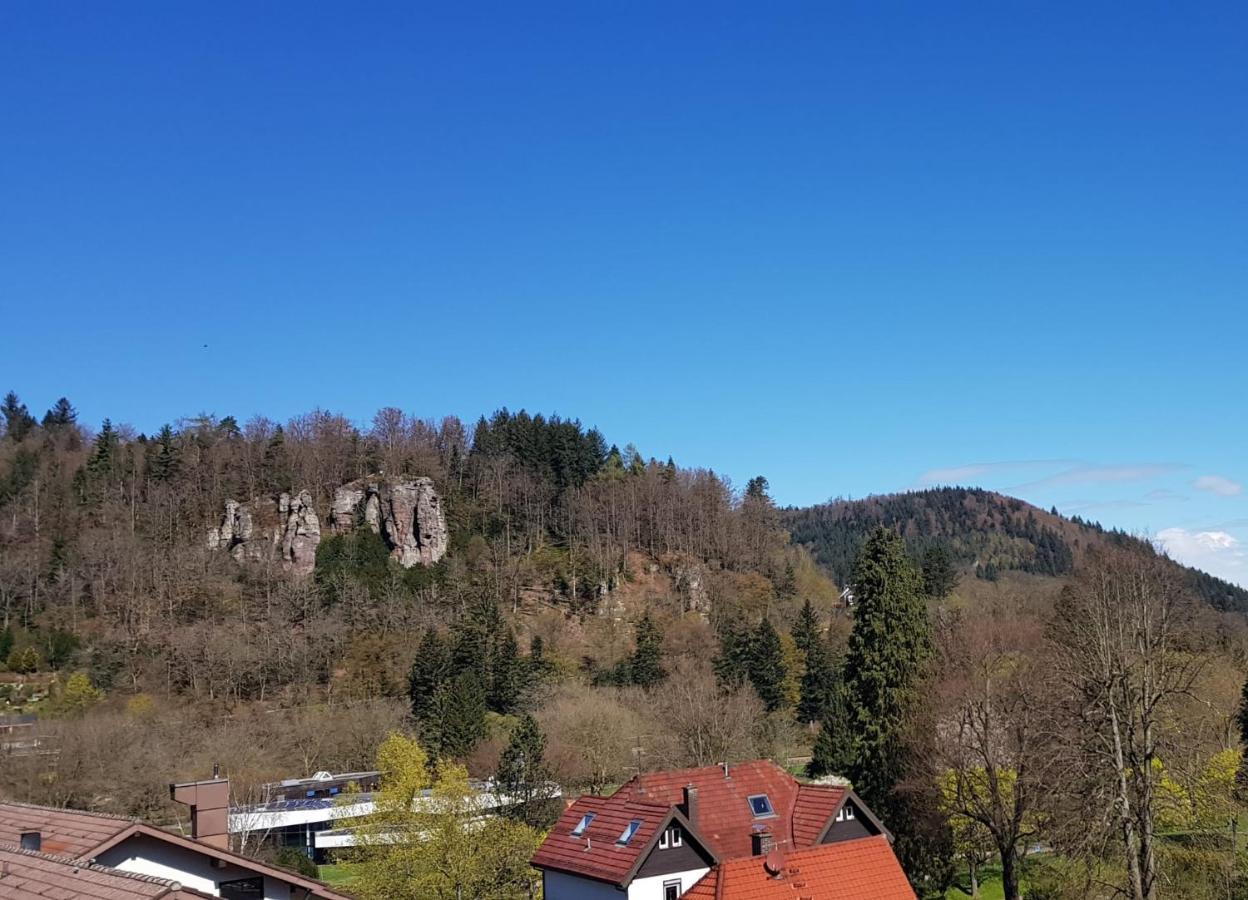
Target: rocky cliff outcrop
pixel 287 530
pixel 406 512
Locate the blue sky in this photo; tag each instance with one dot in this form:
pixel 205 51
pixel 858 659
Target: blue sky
pixel 856 248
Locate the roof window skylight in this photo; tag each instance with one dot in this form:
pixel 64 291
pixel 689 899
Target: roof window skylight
pixel 629 830
pixel 582 825
pixel 760 805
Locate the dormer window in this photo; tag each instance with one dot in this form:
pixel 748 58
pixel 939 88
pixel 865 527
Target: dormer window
pixel 582 825
pixel 672 837
pixel 627 834
pixel 760 805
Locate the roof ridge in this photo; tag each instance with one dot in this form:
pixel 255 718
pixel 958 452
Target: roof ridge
pixel 68 809
pixel 84 863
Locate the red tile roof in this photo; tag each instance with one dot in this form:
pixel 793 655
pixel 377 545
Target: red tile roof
pixel 725 820
pixel 64 831
pixel 25 875
pixel 595 853
pixel 862 869
pixel 76 834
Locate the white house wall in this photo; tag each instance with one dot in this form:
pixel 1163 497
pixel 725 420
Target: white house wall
pixel 652 888
pixel 148 856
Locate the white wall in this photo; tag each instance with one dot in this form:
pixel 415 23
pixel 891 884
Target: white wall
pixel 149 856
pixel 652 888
pixel 561 886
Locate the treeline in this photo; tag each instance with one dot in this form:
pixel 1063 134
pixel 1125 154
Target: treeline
pixel 104 565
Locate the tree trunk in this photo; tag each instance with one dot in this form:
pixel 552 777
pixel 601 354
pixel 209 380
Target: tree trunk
pixel 1009 874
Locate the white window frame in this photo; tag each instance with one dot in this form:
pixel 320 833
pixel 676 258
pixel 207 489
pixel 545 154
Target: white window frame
pixel 671 837
pixel 673 883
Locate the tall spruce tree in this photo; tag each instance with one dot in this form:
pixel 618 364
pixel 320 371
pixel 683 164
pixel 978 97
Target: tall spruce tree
pixel 523 778
pixel 61 415
pixel 939 575
pixel 430 669
pixel 766 665
pixel 646 665
pixel 835 748
pixel 457 719
pixel 820 682
pixel 17 418
pixel 807 631
pixel 888 649
pixel 163 457
pixel 509 675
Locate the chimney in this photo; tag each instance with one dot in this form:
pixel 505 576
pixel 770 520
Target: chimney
pixel 725 765
pixel 689 805
pixel 210 808
pixel 32 840
pixel 761 842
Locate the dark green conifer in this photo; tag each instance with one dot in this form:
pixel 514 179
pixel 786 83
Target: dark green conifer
pixel 430 669
pixel 523 778
pixel 767 670
pixel 888 649
pixel 646 665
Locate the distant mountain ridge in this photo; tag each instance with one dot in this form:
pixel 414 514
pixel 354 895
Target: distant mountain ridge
pixel 991 532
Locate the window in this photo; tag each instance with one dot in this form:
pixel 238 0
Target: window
pixel 672 837
pixel 629 830
pixel 849 813
pixel 760 805
pixel 242 889
pixel 671 890
pixel 582 825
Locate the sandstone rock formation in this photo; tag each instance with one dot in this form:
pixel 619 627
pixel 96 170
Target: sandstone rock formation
pixel 406 512
pixel 288 530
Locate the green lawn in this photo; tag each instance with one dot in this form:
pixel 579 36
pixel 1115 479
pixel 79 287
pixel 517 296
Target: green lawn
pixel 337 874
pixel 989 885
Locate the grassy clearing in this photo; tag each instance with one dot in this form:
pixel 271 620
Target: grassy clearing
pixel 337 873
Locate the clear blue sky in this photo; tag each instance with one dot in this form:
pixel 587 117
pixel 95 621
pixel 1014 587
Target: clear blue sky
pixel 855 248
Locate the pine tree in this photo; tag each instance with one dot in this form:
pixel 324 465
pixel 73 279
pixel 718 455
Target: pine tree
pixel 820 683
pixel 61 415
pixel 275 472
pixel 164 458
pixel 508 675
pixel 888 648
pixel 766 665
pixel 646 664
pixel 102 456
pixel 17 418
pixel 430 669
pixel 457 719
pixel 835 748
pixel 939 575
pixel 807 632
pixel 523 778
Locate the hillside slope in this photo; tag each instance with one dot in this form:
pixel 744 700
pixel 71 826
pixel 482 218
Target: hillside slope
pixel 990 532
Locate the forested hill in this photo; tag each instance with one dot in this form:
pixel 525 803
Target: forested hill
pixel 987 531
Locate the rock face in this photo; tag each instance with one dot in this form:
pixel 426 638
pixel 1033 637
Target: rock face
pixel 301 532
pixel 287 530
pixel 406 512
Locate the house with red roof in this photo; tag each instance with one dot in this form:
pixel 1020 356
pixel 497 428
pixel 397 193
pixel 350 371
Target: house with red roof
pixel 864 869
pixel 111 853
pixel 663 832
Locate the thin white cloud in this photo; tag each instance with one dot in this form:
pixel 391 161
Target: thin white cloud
pixel 1218 484
pixel 970 471
pixel 1101 474
pixel 1216 552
